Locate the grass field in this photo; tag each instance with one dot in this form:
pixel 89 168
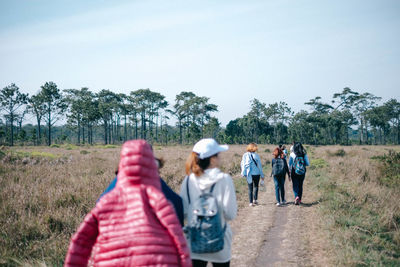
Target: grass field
pixel 45 193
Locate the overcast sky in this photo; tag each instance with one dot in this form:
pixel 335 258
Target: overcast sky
pixel 229 51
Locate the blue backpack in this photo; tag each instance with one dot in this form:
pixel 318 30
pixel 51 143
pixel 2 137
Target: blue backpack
pixel 299 166
pixel 204 230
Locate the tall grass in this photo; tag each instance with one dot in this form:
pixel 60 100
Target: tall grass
pixel 361 213
pixel 44 198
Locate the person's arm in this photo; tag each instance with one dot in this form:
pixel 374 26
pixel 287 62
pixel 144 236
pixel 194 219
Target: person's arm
pixel 246 164
pixel 290 162
pixel 243 165
pixel 272 166
pixel 229 199
pixel 82 242
pixel 287 169
pixel 174 198
pixel 260 166
pixel 183 195
pixel 110 187
pixel 306 160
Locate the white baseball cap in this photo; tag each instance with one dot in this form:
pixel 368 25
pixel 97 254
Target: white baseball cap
pixel 208 147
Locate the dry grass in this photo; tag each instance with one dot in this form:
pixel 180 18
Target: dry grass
pixel 361 215
pixel 46 192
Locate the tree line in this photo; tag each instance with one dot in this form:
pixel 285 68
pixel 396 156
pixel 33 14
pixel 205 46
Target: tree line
pixel 112 118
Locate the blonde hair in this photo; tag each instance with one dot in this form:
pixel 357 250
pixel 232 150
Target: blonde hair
pixel 252 147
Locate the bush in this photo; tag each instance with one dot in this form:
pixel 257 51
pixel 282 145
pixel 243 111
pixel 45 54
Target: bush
pixel 337 153
pixel 389 168
pixel 318 164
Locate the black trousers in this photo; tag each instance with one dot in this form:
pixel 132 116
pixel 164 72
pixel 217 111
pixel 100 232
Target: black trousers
pixel 200 263
pixel 256 180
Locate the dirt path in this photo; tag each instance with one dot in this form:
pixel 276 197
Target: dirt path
pixel 267 235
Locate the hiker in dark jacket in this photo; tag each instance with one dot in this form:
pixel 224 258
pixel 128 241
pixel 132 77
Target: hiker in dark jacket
pixel 297 166
pixel 173 197
pixel 279 171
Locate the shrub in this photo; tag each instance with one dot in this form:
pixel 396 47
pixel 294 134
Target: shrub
pixel 337 153
pixel 318 164
pixel 389 168
pixel 84 152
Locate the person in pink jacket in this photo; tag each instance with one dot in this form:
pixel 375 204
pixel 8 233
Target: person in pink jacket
pixel 134 224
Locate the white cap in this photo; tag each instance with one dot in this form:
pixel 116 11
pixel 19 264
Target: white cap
pixel 208 147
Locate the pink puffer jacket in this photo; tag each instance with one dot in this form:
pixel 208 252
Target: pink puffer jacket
pixel 134 224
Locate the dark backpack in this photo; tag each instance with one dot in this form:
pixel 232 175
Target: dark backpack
pixel 204 230
pixel 299 166
pixel 279 167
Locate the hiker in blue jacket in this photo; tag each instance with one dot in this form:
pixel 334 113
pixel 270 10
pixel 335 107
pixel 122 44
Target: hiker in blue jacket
pixel 173 197
pixel 297 166
pixel 252 170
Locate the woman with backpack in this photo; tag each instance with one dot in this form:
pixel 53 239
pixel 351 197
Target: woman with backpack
pixel 252 169
pixel 208 196
pixel 134 224
pixel 279 171
pixel 297 165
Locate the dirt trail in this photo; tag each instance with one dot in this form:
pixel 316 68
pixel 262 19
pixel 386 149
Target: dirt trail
pixel 267 235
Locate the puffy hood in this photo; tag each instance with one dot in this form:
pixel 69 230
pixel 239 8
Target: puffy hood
pixel 137 164
pixel 209 177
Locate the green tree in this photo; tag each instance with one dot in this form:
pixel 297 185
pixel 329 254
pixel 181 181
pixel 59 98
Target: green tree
pixel 107 102
pixel 53 104
pixel 37 107
pixel 393 108
pixel 11 99
pixel 363 103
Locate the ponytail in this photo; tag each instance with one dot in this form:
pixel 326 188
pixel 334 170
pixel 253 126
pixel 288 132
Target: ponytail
pixel 196 165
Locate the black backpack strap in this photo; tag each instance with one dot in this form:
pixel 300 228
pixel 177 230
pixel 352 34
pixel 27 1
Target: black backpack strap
pixel 187 188
pixel 212 187
pixel 253 159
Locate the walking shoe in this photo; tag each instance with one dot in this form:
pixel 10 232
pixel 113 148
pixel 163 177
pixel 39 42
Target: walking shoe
pixel 251 205
pixel 284 202
pixel 297 201
pixel 278 204
pixel 255 202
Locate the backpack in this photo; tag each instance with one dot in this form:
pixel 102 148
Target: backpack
pixel 299 166
pixel 279 167
pixel 204 230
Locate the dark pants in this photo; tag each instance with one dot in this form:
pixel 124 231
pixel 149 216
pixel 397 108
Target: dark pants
pixel 279 182
pixel 199 263
pixel 256 180
pixel 297 181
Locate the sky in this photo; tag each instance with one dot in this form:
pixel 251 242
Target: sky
pixel 230 51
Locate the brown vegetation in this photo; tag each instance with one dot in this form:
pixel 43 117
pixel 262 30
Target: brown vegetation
pixel 46 192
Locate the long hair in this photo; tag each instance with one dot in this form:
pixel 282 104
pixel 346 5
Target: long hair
pixel 196 165
pixel 299 150
pixel 277 153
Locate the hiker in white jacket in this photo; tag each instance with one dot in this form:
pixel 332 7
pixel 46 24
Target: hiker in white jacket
pixel 203 172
